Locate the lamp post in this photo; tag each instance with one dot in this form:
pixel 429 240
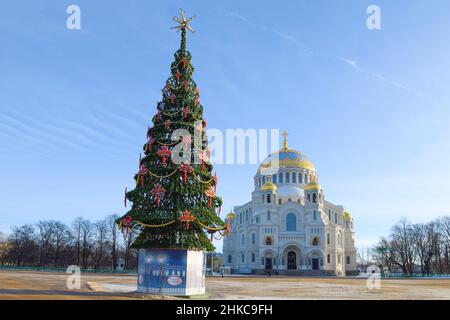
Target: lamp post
pixel 160 260
pixel 148 271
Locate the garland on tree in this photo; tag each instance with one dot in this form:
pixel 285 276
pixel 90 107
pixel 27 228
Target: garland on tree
pixel 174 204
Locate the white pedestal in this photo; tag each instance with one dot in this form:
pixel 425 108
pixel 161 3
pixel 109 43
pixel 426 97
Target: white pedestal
pixel 171 272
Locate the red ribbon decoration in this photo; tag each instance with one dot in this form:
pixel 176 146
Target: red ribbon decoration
pixel 210 193
pixel 215 182
pixel 172 98
pixel 143 171
pixel 157 192
pixel 186 169
pixel 164 153
pixel 178 75
pixel 127 220
pixel 187 218
pixel 203 155
pixel 185 85
pixel 185 112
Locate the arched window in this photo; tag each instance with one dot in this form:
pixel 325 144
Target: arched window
pixel 242 258
pixel 253 238
pixel 253 257
pixel 263 179
pixel 314 215
pixel 306 178
pixel 268 198
pixel 309 197
pixel 328 258
pixel 315 241
pixel 268 215
pixel 328 238
pixel 291 222
pixel 300 178
pixel 274 178
pixel 314 197
pixel 294 178
pixel 288 177
pixel 230 259
pixel 268 241
pixel 348 260
pixel 279 201
pixel 280 177
pixel 243 238
pixel 339 239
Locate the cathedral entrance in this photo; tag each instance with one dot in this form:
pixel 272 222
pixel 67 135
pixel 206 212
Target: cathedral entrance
pixel 291 260
pixel 315 263
pixel 268 264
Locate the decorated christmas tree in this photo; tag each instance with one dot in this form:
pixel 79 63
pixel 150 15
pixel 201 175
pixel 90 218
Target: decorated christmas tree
pixel 174 204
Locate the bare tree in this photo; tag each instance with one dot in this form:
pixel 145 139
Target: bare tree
pixel 101 241
pixel 113 231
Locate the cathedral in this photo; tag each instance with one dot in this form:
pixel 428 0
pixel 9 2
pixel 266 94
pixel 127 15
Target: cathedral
pixel 288 227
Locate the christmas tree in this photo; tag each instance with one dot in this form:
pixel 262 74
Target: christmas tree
pixel 174 203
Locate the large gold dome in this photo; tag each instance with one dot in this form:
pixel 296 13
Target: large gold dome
pixel 286 158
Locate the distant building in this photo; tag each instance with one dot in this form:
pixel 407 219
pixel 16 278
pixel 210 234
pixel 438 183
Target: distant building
pixel 288 226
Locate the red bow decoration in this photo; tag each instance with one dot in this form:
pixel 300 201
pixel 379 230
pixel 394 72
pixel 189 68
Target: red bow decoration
pixel 127 220
pixel 187 140
pixel 184 62
pixel 186 168
pixel 185 85
pixel 178 75
pixel 210 194
pixel 172 98
pixel 158 191
pixel 185 112
pixel 158 115
pixel 142 173
pixel 197 101
pixel 203 155
pixel 187 218
pixel 125 198
pixel 164 153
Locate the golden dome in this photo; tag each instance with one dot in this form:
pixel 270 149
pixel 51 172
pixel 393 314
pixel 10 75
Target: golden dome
pixel 230 216
pixel 347 216
pixel 269 186
pixel 312 186
pixel 286 158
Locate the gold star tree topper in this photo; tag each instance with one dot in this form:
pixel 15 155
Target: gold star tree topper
pixel 183 22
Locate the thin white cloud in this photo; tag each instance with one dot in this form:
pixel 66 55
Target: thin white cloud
pixel 304 49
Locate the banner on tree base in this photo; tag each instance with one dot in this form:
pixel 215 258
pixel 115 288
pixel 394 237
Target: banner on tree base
pixel 171 272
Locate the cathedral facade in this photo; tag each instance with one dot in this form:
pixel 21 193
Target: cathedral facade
pixel 288 227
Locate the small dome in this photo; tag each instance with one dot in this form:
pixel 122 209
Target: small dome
pixel 269 186
pixel 312 186
pixel 347 216
pixel 230 216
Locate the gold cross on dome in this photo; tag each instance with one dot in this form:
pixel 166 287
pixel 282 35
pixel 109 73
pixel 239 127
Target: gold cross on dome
pixel 183 22
pixel 285 143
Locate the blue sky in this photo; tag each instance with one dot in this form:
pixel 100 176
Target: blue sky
pixel 370 108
